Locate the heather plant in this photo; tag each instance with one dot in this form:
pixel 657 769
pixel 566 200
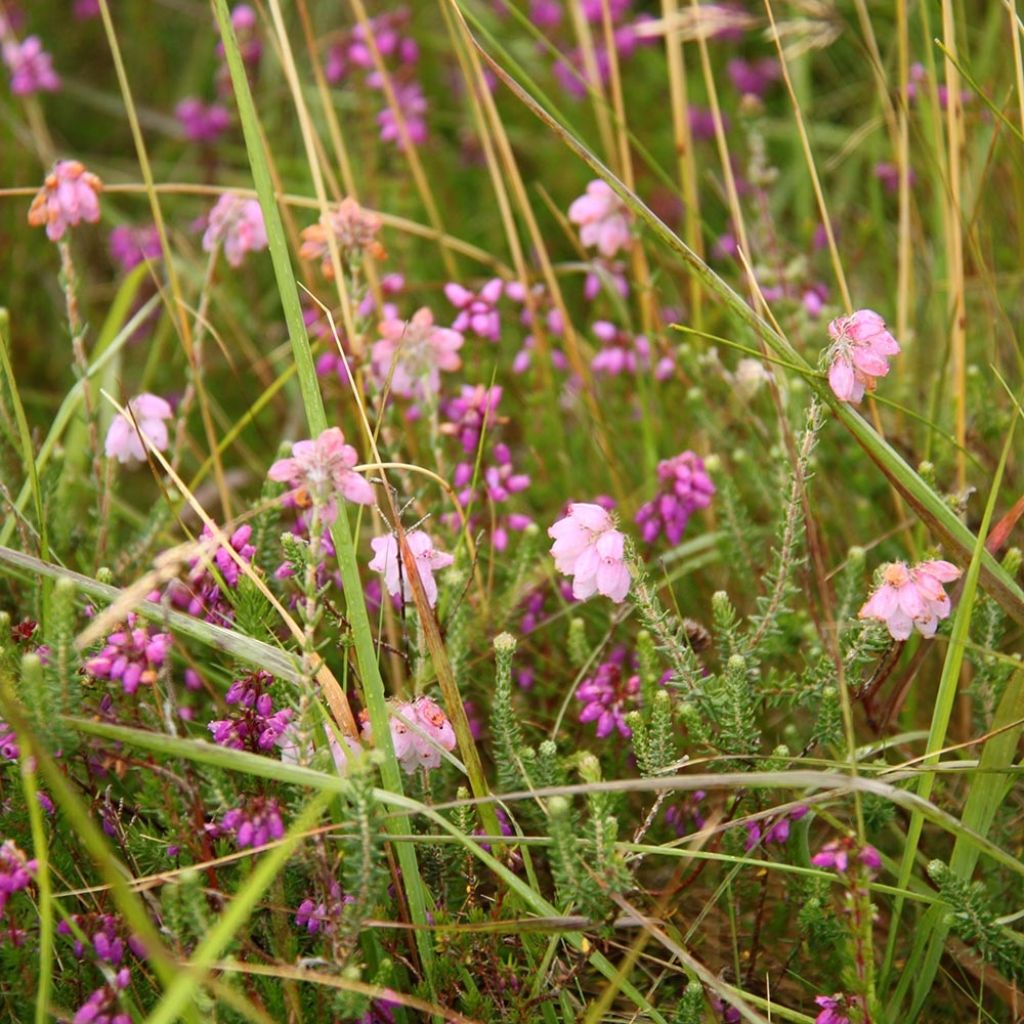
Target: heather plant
pixel 511 512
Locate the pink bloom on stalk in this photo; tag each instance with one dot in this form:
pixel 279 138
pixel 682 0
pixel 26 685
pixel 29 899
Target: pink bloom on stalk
pixel 412 749
pixel 256 823
pixel 85 9
pixel 589 548
pixel 236 223
pixel 602 218
pixel 477 311
pixel 131 655
pixel 201 122
pixel 30 65
pixel 69 195
pixel 418 350
pixel 129 246
pixel 16 872
pixel 683 487
pixel 147 415
pixel 832 1009
pixel 911 598
pixel 858 354
pixel 320 470
pixel 387 560
pixel 608 694
pixel 412 105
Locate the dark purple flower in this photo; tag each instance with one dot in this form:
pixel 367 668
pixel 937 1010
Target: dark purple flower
pixel 607 694
pixel 255 823
pixel 832 1009
pixel 256 726
pixel 201 122
pixel 683 487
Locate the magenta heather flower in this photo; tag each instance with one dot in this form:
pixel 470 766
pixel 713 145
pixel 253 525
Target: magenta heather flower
pixel 146 415
pixel 603 219
pixel 589 548
pixel 911 598
pixel 101 1006
pixel 833 1009
pixel 129 246
pixel 30 65
pixel 478 311
pixel 201 122
pixel 412 105
pixel 131 655
pixel 320 470
pixel 70 195
pixel 838 854
pixel 470 414
pixel 237 224
pixel 256 823
pixel 623 352
pixel 9 749
pixel 414 352
pixel 85 9
pixel 416 747
pixel 256 726
pixel 753 77
pixel 772 831
pixel 387 560
pixel 324 916
pixel 16 872
pixel 683 487
pixel 858 354
pixel 607 694
pixel 202 593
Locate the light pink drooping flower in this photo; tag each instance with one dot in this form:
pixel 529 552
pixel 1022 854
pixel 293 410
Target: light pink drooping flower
pixel 147 414
pixel 320 470
pixel 419 350
pixel 602 218
pixel 911 598
pixel 858 354
pixel 420 747
pixel 236 223
pixel 30 65
pixel 69 195
pixel 589 548
pixel 387 560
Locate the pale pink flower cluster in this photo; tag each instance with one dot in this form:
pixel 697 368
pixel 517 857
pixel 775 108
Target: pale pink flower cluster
pixel 420 747
pixel 30 65
pixel 589 548
pixel 387 560
pixel 236 223
pixel 147 414
pixel 911 598
pixel 418 350
pixel 859 353
pixel 320 470
pixel 69 195
pixel 602 218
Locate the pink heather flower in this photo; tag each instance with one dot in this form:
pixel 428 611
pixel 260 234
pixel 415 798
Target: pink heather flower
pixel 146 415
pixel 832 1009
pixel 858 354
pixel 236 223
pixel 417 748
pixel 478 312
pixel 387 560
pixel 30 65
pixel 85 9
pixel 683 487
pixel 753 77
pixel 838 853
pixel 256 726
pixel 129 246
pixel 608 694
pixel 323 916
pixel 911 598
pixel 418 350
pixel 101 1006
pixel 320 470
pixel 69 195
pixel 603 219
pixel 254 824
pixel 201 122
pixel 470 414
pixel 16 872
pixel 131 655
pixel 412 105
pixel 589 548
pixel 355 231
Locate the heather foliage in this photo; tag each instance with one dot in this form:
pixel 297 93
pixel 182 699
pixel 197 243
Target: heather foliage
pixel 510 512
